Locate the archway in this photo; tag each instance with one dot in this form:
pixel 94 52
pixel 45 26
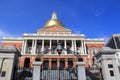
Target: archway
pixel 80 59
pixel 27 63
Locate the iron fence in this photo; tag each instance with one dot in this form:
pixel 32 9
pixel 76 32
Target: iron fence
pixel 59 74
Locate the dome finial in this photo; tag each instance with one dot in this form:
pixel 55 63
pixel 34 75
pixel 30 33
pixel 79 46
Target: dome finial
pixel 54 15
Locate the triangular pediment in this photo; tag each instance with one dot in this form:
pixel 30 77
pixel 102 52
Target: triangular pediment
pixel 55 28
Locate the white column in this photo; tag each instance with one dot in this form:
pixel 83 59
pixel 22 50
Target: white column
pixel 84 47
pixel 65 46
pixel 72 46
pixel 50 46
pixel 75 45
pixel 42 45
pixel 35 47
pixel 32 47
pixel 25 47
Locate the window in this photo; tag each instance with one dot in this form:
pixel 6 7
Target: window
pixel 62 64
pixel 54 64
pixel 94 50
pixel 46 63
pixel 70 63
pixel 27 63
pixel 111 73
pixel 110 66
pixel 3 73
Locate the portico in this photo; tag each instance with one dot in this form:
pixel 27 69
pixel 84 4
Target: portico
pixel 34 46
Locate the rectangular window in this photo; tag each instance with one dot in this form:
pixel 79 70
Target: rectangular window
pixel 110 66
pixel 3 73
pixel 111 73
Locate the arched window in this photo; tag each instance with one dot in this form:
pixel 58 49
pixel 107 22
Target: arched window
pixel 62 64
pixel 54 64
pixel 70 63
pixel 27 63
pixel 45 64
pixel 37 59
pixel 80 59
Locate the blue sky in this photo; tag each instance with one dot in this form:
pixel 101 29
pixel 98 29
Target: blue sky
pixel 94 18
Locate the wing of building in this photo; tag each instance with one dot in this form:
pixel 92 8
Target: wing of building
pixel 43 45
pixel 114 41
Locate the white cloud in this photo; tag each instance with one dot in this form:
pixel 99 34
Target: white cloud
pixel 4 34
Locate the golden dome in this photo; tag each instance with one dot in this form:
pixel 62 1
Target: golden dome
pixel 54 21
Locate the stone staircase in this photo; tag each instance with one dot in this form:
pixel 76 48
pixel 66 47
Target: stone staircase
pixel 91 76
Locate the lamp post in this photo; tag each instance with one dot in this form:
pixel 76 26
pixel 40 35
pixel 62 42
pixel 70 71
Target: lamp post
pixel 59 50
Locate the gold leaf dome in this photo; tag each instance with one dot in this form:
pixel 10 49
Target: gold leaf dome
pixel 54 21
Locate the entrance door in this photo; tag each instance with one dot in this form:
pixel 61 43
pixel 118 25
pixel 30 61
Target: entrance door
pixel 54 64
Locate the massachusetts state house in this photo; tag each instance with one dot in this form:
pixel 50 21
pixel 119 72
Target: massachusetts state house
pixel 42 45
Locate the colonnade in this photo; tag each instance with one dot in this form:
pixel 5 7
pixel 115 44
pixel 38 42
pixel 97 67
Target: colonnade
pixel 74 48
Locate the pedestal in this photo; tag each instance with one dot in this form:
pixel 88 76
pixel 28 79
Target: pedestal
pixel 81 70
pixel 36 70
